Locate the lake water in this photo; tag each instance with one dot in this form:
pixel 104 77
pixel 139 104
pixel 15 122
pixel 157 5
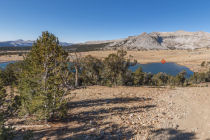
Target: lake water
pixel 168 68
pixel 4 64
pixel 154 68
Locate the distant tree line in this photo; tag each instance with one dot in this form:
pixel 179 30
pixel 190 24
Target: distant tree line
pixel 72 48
pixel 15 48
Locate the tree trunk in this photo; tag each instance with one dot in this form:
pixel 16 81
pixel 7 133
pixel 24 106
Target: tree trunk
pixel 76 76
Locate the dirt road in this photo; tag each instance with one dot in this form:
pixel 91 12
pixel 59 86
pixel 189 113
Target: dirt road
pixel 196 102
pixel 190 114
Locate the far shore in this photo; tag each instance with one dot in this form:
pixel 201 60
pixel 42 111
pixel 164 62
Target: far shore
pixel 189 58
pixel 6 58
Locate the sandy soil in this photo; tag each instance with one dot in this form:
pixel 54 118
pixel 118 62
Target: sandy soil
pixel 5 58
pixel 139 113
pixel 196 102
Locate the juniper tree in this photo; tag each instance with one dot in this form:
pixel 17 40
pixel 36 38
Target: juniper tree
pixel 44 79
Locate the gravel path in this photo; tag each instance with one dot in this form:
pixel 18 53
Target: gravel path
pixel 188 109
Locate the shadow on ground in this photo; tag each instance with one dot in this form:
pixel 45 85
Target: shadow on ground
pixel 172 134
pixel 99 102
pixel 89 123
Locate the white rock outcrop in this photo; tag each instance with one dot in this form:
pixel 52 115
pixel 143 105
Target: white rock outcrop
pixel 163 40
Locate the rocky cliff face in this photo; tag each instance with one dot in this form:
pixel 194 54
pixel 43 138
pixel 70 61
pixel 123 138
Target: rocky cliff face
pixel 163 40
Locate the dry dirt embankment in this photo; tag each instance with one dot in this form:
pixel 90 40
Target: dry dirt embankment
pixel 133 113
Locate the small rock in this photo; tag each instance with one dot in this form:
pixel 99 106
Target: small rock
pixel 93 129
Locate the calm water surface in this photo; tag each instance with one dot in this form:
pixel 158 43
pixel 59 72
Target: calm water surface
pixel 154 68
pixel 168 68
pixel 4 64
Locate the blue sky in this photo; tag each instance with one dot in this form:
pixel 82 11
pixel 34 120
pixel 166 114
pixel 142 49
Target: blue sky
pixel 84 20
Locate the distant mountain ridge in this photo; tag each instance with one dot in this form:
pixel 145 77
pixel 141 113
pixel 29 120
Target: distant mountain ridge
pixel 160 40
pixel 23 43
pixel 144 41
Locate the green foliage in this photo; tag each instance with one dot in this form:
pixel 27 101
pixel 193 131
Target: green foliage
pixel 207 75
pixel 180 78
pixel 200 77
pixel 91 70
pixel 147 79
pixel 196 78
pixel 10 74
pixel 116 68
pixel 138 77
pixel 160 79
pixel 2 100
pixel 44 79
pixel 28 135
pixel 203 64
pixel 4 132
pixel 113 70
pixel 2 92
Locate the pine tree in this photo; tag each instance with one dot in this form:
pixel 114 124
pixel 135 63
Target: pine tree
pixel 181 78
pixel 2 101
pixel 138 77
pixel 91 70
pixel 116 68
pixel 160 79
pixel 44 80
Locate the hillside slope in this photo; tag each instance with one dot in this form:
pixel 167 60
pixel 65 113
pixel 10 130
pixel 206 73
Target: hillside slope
pixel 161 40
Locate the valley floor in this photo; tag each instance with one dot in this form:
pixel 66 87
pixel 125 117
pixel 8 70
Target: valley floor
pixel 189 58
pixel 140 113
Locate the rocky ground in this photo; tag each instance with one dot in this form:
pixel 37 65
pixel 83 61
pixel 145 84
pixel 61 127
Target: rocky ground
pixel 140 113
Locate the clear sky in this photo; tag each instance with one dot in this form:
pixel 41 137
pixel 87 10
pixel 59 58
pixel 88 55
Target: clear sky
pixel 84 20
